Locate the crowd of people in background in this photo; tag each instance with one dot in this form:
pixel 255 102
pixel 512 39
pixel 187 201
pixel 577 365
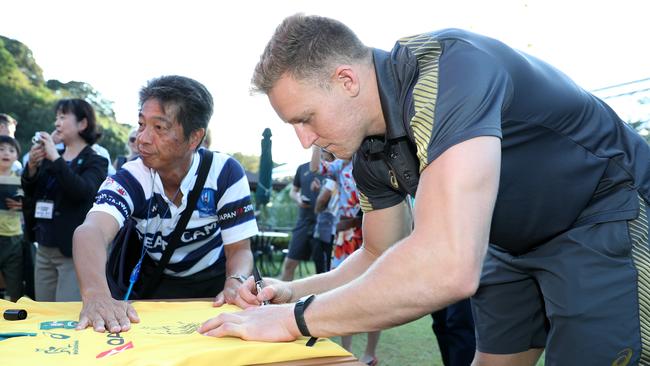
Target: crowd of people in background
pixel 66 175
pixel 53 188
pixel 47 195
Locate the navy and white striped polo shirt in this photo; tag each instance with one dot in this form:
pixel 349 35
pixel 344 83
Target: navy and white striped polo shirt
pixel 223 215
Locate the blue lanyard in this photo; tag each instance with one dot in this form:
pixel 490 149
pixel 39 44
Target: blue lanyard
pixel 135 274
pixel 136 270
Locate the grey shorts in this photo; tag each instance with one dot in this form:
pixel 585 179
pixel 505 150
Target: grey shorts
pixel 584 296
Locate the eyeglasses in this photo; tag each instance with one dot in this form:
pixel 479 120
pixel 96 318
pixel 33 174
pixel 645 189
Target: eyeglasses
pixel 131 139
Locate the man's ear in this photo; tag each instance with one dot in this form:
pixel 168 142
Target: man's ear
pixel 196 137
pixel 348 78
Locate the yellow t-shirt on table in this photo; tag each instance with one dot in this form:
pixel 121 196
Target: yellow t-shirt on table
pixel 166 335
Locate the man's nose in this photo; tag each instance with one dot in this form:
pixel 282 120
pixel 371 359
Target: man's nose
pixel 306 136
pixel 143 136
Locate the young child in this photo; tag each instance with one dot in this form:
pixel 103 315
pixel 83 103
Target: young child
pixel 11 233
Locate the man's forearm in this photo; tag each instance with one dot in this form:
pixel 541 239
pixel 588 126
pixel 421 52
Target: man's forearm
pixel 90 261
pixel 439 263
pixel 239 262
pixel 354 266
pixel 376 299
pixel 294 193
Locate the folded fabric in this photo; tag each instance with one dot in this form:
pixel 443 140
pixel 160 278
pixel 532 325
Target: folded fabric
pixel 166 335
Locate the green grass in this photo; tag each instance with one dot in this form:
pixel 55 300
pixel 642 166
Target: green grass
pixel 409 344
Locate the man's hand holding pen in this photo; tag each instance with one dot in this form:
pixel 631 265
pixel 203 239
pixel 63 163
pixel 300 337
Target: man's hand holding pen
pixel 259 284
pixel 270 323
pixel 274 291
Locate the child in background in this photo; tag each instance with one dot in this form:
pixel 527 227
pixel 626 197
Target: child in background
pixel 11 233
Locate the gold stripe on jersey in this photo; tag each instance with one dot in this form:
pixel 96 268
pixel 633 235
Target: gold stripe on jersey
pixel 425 92
pixel 639 234
pixel 365 204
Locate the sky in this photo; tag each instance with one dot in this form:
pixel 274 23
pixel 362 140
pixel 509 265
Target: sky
pixel 117 46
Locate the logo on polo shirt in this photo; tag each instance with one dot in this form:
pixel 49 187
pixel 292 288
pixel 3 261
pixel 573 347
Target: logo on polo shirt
pixel 235 213
pixel 206 205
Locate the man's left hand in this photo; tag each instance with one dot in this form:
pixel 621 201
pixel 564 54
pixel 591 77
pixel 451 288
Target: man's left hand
pixel 269 323
pixel 229 294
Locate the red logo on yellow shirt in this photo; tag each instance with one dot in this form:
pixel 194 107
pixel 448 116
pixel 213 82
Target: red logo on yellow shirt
pixel 116 350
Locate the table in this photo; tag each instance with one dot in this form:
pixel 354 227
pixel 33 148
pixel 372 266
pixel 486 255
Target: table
pixel 342 360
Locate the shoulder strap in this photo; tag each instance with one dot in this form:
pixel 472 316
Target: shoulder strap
pixel 174 240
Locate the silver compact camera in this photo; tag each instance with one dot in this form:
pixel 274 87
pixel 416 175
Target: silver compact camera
pixel 37 138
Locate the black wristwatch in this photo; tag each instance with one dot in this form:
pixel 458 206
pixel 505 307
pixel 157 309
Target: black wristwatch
pixel 299 313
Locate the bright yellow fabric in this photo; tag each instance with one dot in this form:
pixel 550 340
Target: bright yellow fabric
pixel 166 335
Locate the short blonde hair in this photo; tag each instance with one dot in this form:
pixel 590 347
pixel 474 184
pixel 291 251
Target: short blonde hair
pixel 306 47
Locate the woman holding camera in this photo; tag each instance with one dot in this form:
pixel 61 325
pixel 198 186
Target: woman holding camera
pixel 60 187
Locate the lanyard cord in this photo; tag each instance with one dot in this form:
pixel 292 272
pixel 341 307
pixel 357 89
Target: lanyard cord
pixel 135 274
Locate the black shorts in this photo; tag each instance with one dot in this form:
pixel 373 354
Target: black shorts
pixel 584 296
pixel 206 283
pixel 300 247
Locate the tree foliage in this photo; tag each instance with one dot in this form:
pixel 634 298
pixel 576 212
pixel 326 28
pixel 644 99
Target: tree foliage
pixel 26 96
pixel 281 213
pixel 249 162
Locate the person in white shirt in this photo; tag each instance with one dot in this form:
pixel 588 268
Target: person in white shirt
pixel 214 253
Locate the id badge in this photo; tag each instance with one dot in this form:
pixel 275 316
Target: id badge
pixel 44 210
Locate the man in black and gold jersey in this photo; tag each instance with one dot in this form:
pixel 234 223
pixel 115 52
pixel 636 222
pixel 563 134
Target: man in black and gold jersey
pixel 530 192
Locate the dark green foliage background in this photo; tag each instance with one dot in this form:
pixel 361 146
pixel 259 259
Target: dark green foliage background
pixel 30 99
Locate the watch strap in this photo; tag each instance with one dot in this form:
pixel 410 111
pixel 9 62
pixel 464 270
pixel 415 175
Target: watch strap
pixel 299 314
pixel 239 277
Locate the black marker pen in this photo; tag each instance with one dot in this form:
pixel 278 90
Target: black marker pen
pixel 259 283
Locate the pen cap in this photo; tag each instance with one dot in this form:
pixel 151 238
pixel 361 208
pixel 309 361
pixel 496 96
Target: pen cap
pixel 15 314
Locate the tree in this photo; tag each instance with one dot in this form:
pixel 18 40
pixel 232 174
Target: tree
pixel 249 162
pixel 25 59
pixel 30 100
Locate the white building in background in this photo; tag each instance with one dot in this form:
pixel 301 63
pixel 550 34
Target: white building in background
pixel 285 171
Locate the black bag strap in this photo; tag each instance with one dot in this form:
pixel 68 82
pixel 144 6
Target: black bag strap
pixel 174 240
